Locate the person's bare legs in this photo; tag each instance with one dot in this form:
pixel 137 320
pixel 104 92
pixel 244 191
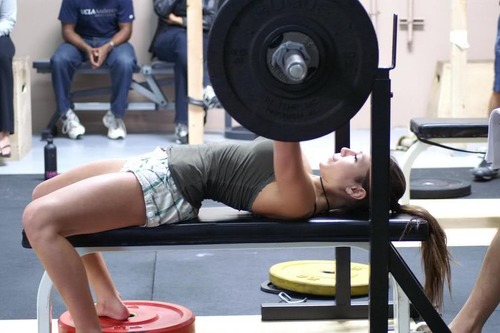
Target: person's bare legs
pixel 485 295
pixel 93 204
pixel 108 303
pixel 74 175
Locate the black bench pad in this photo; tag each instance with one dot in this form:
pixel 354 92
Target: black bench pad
pixel 228 226
pixel 433 128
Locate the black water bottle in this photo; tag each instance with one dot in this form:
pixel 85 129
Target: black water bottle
pixel 50 155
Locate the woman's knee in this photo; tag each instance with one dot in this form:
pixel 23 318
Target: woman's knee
pixel 28 217
pixel 35 219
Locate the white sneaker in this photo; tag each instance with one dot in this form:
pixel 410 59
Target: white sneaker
pixel 210 99
pixel 116 126
pixel 71 125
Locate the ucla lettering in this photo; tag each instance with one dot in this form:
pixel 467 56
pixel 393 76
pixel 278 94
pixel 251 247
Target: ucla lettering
pixel 87 11
pixel 98 12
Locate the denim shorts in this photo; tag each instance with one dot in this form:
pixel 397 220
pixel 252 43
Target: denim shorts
pixel 164 203
pixel 496 83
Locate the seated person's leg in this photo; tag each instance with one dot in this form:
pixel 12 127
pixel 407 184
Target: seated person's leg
pixel 6 95
pixel 209 98
pixel 122 61
pixel 66 59
pixel 181 105
pixel 171 46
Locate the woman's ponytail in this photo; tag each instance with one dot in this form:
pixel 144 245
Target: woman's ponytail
pixel 435 257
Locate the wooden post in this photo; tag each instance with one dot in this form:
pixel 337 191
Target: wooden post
pixel 22 137
pixel 458 57
pixel 195 69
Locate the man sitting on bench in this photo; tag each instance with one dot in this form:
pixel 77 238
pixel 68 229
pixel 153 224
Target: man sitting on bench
pixel 268 178
pixel 96 32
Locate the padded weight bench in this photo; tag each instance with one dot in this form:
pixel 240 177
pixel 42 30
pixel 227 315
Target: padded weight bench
pixel 227 228
pixel 431 131
pixel 149 88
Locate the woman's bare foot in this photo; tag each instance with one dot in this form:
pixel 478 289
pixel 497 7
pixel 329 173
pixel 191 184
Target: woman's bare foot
pixel 115 310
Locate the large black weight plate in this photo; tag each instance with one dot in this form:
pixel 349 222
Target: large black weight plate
pixel 342 45
pixel 438 188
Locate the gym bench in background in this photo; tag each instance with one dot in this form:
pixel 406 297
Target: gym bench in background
pixel 150 88
pixel 440 131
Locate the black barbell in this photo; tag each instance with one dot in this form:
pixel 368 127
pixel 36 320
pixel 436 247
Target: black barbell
pixel 292 70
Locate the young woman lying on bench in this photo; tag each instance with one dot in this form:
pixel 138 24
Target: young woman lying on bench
pixel 268 178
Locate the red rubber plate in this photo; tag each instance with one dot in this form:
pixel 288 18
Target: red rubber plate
pixel 146 316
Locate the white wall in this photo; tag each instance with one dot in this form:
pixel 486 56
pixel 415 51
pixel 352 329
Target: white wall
pixel 37 34
pixel 412 79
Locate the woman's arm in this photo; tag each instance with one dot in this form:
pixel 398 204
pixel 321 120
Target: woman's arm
pixel 292 194
pixel 209 12
pixel 163 8
pixel 210 8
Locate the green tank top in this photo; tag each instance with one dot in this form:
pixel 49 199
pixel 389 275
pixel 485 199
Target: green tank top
pixel 230 173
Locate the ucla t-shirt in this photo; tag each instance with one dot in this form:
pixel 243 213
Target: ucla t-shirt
pixel 96 18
